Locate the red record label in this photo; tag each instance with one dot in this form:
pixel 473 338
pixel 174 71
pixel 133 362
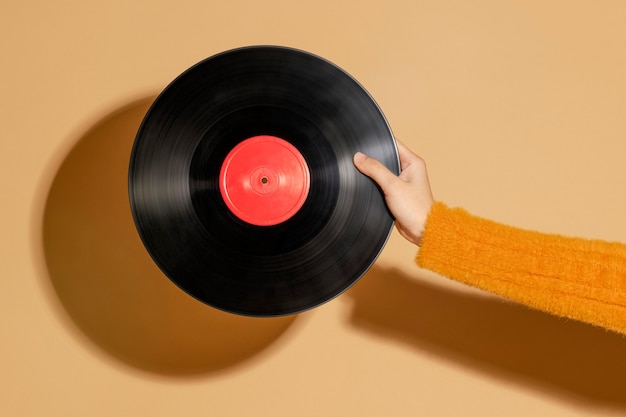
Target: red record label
pixel 264 180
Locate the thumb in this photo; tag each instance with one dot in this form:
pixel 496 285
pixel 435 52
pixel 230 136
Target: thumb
pixel 374 169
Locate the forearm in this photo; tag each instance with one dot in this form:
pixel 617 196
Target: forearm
pixel 570 277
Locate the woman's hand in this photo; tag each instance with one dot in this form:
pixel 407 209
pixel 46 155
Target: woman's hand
pixel 408 195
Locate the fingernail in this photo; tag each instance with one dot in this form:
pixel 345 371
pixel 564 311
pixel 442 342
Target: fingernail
pixel 359 157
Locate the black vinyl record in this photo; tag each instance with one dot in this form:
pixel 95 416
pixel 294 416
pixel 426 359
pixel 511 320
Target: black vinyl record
pixel 281 101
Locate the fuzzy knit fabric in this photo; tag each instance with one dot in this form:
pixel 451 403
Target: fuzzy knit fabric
pixel 570 277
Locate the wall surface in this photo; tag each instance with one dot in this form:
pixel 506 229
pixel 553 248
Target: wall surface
pixel 518 107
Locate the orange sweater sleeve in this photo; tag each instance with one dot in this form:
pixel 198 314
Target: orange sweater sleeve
pixel 570 277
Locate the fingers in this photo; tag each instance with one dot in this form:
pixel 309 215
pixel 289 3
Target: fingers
pixel 412 168
pixel 407 157
pixel 374 169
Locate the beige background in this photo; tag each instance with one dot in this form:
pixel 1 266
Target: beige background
pixel 518 107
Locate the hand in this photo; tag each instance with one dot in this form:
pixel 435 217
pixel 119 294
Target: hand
pixel 408 195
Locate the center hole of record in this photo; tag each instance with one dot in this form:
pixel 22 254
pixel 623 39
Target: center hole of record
pixel 264 180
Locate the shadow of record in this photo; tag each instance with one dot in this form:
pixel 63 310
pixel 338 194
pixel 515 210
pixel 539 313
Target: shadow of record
pixel 107 282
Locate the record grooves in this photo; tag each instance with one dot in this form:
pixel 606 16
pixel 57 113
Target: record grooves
pixel 240 256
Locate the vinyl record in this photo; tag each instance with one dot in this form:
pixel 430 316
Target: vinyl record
pixel 242 185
